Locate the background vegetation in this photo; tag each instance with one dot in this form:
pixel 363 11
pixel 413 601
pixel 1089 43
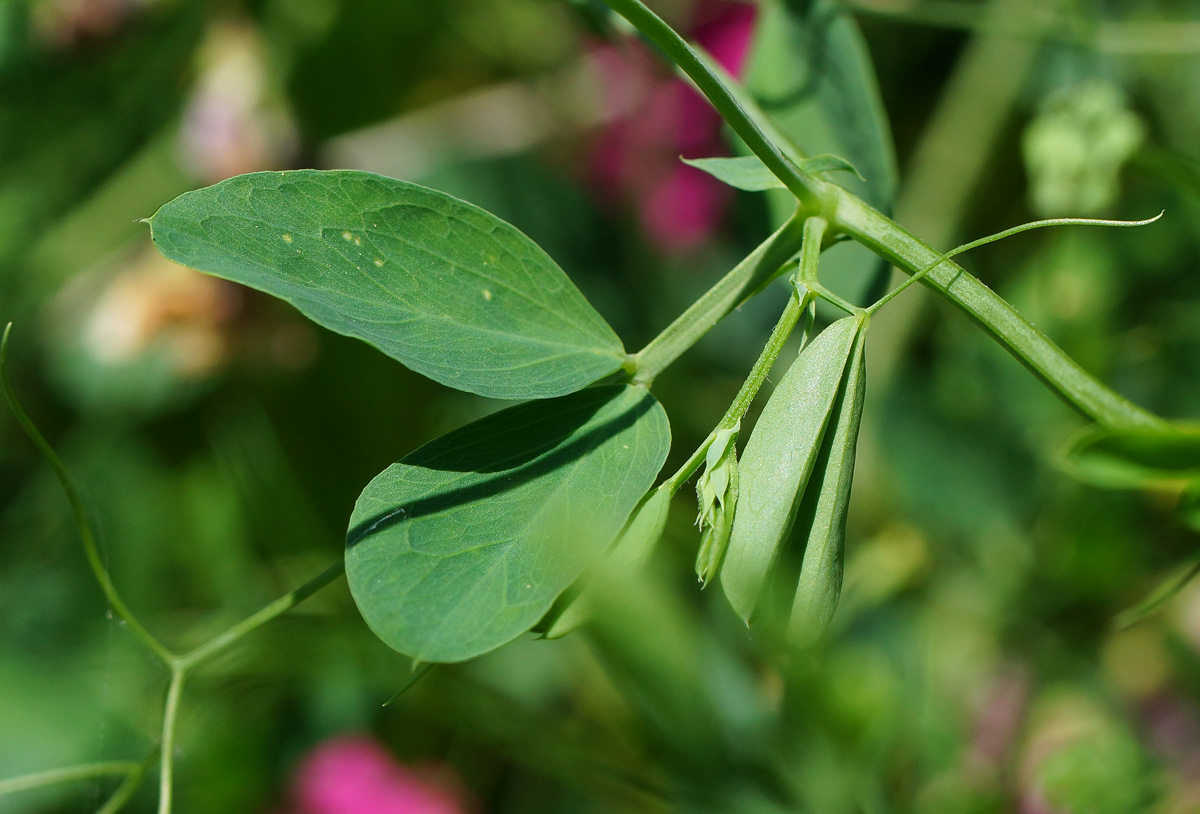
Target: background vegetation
pixel 221 439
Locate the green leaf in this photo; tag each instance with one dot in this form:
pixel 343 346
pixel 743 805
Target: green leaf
pixel 821 521
pixel 1131 459
pixel 464 544
pixel 626 558
pixel 748 173
pixel 443 286
pixel 810 70
pixel 819 164
pixel 778 460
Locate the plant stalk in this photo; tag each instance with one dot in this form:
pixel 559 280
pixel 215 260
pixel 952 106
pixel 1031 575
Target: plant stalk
pixel 812 193
pixel 251 623
pixel 745 280
pixel 90 549
pixel 993 314
pixel 69 774
pixel 170 714
pixel 814 233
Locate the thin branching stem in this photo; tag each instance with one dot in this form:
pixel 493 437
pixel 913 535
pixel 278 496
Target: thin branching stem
pixel 251 623
pixel 91 550
pixel 179 665
pixel 814 233
pixel 811 192
pixel 745 280
pixel 67 774
pixel 167 744
pixel 128 786
pixel 1015 230
pixel 852 216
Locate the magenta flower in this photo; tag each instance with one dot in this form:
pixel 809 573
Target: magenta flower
pixel 354 774
pixel 656 119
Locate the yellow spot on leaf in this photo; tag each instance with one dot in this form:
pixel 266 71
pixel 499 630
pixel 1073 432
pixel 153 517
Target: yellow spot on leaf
pixel 347 236
pixel 487 295
pixel 287 238
pixel 378 261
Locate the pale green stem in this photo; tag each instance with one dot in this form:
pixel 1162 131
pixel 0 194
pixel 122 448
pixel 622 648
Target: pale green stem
pixel 808 276
pixel 833 298
pixel 1015 230
pixel 993 314
pixel 180 666
pixel 91 550
pixel 68 774
pixel 814 233
pixel 170 715
pixel 811 192
pixel 744 281
pixel 883 236
pixel 251 623
pixel 127 788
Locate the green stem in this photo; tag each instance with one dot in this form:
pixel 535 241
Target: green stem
pixel 883 236
pixel 993 314
pixel 127 788
pixel 983 241
pixel 744 281
pixel 251 623
pixel 170 714
pixel 814 233
pixel 91 550
pixel 69 774
pixel 181 665
pixel 812 193
pixel 833 298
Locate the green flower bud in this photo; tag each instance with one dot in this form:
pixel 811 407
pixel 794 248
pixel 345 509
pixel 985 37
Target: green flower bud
pixel 717 492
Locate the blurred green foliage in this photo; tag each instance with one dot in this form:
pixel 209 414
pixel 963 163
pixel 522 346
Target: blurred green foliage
pixel 221 440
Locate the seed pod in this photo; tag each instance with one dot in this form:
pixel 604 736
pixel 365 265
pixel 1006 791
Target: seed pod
pixel 717 493
pixel 821 521
pixel 778 460
pixel 630 552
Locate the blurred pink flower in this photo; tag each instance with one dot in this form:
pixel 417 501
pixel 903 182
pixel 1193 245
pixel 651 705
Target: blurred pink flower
pixel 354 774
pixel 656 119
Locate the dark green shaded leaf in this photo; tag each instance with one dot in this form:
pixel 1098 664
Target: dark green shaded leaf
pixel 821 522
pixel 464 544
pixel 778 460
pixel 443 286
pixel 1134 458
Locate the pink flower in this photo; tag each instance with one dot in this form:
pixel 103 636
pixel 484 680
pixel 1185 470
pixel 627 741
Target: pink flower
pixel 354 774
pixel 637 157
